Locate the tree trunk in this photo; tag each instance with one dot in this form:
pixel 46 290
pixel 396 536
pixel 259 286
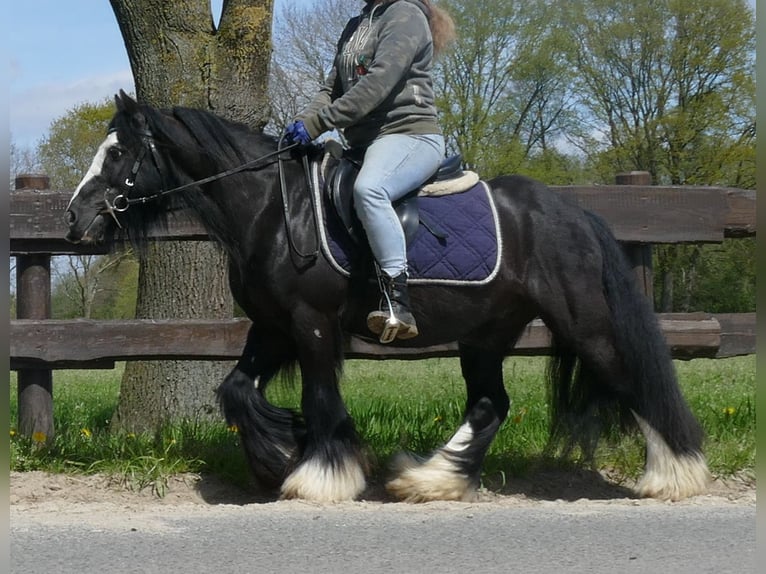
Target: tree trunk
pixel 178 57
pixel 182 281
pixel 666 303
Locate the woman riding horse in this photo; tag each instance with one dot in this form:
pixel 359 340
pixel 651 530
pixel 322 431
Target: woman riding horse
pixel 379 92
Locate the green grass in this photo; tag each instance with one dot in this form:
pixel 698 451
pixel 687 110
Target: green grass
pixel 410 405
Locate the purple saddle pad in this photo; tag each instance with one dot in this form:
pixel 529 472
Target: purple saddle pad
pixel 469 254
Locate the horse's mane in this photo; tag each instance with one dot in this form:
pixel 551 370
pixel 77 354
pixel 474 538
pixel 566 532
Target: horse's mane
pixel 229 142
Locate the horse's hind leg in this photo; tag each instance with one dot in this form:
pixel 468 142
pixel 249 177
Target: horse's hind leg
pixel 453 471
pixel 331 467
pixel 625 368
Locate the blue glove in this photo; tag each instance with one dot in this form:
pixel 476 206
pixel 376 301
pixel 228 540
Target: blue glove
pixel 296 133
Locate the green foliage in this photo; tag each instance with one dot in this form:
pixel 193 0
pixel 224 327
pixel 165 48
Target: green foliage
pixel 718 278
pixel 502 88
pixel 669 86
pixel 96 287
pixel 411 405
pixel 67 151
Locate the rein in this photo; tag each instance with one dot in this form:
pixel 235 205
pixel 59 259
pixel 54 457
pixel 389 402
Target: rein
pixel 121 202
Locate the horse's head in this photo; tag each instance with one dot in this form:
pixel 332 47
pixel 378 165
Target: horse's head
pixel 124 168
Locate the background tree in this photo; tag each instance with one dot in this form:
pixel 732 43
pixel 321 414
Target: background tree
pixel 95 287
pixel 503 86
pixel 669 88
pixel 179 56
pixel 22 160
pixel 667 85
pixel 66 151
pixel 64 155
pixel 305 38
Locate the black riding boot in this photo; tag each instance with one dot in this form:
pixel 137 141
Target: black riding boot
pixel 393 319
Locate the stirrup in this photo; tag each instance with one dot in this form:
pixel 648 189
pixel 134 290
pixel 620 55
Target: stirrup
pixel 390 329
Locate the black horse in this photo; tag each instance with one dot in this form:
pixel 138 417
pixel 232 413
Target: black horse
pixel 556 262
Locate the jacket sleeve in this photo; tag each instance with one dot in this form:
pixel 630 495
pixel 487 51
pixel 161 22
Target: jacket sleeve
pixel 324 97
pixel 402 34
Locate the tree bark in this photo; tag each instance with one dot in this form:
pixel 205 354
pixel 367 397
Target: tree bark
pixel 179 57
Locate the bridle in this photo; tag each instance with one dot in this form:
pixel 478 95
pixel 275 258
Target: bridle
pixel 121 202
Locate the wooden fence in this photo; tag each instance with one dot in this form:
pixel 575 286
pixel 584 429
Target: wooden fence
pixel 640 215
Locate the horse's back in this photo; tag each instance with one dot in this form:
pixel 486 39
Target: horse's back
pixel 538 219
pixel 534 196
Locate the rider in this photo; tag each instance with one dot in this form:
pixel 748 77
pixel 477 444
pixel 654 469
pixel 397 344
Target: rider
pixel 379 93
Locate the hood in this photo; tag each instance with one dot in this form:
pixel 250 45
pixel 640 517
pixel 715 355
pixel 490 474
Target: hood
pixel 383 5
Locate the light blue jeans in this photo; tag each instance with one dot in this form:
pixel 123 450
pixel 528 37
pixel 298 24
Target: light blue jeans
pixel 393 165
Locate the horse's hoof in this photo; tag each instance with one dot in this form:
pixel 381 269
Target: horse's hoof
pixel 676 478
pixel 319 482
pixel 436 478
pixel 668 475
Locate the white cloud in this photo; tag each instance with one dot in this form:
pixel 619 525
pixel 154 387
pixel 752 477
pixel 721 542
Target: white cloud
pixel 34 108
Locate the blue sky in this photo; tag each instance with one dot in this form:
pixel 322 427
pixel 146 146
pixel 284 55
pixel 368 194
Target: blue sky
pixel 66 53
pixel 69 52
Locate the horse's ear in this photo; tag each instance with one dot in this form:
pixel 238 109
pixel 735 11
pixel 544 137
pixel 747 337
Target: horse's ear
pixel 129 106
pixel 125 103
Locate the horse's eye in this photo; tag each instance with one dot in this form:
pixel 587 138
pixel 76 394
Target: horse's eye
pixel 115 153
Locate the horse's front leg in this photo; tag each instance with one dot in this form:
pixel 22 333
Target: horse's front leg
pixel 332 467
pixel 272 437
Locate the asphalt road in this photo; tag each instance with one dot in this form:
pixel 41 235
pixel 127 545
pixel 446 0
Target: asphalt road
pixel 558 537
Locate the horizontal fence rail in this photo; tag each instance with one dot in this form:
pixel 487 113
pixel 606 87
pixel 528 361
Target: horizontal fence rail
pixel 81 343
pixel 639 214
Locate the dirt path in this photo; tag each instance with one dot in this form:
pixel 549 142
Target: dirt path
pixel 43 498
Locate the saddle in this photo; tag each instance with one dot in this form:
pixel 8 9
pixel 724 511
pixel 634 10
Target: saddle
pixel 340 167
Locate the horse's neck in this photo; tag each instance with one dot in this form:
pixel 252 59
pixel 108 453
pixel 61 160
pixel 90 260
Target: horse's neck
pixel 244 211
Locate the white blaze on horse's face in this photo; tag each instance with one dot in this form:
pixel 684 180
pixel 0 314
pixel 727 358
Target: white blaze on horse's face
pixel 97 165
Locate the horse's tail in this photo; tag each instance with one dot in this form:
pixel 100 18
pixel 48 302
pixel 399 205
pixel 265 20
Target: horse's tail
pixel 651 397
pixel 272 437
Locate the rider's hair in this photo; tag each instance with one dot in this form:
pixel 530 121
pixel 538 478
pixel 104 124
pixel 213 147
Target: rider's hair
pixel 442 27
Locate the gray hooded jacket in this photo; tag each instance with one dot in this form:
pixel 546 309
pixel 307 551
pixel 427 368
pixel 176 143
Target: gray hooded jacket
pixel 380 82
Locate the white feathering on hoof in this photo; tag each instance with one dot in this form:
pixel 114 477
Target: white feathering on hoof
pixel 319 482
pixel 669 476
pixel 436 478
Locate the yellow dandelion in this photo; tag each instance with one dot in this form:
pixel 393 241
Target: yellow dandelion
pixel 39 437
pixel 728 411
pixel 234 428
pixel 85 432
pixel 13 432
pixel 438 419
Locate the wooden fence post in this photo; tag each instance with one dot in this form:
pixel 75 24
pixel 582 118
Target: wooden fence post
pixel 33 301
pixel 639 254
